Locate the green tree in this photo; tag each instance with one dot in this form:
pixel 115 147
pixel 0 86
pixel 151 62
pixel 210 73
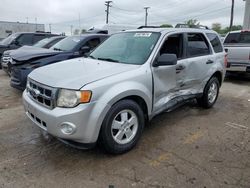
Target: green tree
pixel 166 25
pixel 192 22
pixel 216 27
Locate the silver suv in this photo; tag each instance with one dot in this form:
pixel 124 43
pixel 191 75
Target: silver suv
pixel 126 81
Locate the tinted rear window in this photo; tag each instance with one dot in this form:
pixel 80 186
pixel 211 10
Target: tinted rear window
pixel 234 38
pixel 215 41
pixel 197 45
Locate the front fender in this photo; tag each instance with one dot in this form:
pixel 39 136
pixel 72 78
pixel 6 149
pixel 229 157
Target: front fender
pixel 112 96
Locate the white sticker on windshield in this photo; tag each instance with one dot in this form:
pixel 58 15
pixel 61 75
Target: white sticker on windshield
pixel 142 35
pixel 76 40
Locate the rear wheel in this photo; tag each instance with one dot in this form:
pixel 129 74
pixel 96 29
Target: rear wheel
pixel 122 127
pixel 210 93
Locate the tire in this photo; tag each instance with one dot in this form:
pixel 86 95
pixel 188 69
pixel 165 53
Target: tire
pixel 120 132
pixel 208 100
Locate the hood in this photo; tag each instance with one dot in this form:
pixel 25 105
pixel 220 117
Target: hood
pixel 75 73
pixel 29 52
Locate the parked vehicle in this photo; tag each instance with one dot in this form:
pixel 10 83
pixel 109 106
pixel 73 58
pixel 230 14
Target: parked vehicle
pixel 23 62
pixel 237 45
pixel 17 40
pixel 45 43
pixel 126 81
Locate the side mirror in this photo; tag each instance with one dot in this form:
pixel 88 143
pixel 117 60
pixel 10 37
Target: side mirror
pixel 84 49
pixel 165 60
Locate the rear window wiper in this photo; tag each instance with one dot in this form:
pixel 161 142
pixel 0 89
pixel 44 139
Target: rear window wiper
pixel 108 59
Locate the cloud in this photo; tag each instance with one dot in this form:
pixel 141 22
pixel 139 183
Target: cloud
pixel 61 14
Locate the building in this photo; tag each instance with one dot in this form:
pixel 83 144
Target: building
pixel 246 23
pixel 7 28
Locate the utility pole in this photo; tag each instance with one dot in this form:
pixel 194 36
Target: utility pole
pixel 50 28
pixel 36 23
pixel 71 29
pixel 108 4
pixel 232 16
pixel 27 19
pixel 146 15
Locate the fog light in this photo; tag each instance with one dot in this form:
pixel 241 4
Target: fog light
pixel 68 128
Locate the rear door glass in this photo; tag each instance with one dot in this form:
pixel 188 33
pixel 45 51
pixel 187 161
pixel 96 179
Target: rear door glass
pixel 197 45
pixel 215 41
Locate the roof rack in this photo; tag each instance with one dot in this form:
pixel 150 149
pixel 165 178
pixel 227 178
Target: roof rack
pixel 181 25
pixel 143 27
pixel 42 32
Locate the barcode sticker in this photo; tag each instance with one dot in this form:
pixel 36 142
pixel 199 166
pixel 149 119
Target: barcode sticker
pixel 142 34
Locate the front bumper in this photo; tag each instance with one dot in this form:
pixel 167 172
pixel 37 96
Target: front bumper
pixel 19 77
pixel 51 120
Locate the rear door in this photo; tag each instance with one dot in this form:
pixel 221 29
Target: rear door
pixel 199 60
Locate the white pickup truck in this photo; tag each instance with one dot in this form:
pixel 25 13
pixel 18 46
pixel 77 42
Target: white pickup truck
pixel 237 45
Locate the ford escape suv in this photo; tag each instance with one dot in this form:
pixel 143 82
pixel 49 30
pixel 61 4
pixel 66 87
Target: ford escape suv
pixel 126 81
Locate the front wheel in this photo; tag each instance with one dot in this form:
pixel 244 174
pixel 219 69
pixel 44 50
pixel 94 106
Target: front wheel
pixel 122 127
pixel 210 93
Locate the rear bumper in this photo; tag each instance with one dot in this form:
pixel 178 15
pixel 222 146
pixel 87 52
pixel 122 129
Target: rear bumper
pixel 19 78
pixel 238 67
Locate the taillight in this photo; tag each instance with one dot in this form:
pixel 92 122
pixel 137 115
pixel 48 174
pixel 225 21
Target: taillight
pixel 225 61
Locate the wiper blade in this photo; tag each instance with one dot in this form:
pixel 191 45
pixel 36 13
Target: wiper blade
pixel 108 59
pixel 57 49
pixel 92 57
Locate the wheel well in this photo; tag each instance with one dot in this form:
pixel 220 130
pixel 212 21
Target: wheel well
pixel 218 75
pixel 141 102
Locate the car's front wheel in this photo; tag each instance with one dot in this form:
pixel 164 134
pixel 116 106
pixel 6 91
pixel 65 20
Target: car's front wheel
pixel 122 127
pixel 210 93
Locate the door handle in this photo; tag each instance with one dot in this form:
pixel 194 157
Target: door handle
pixel 209 61
pixel 179 68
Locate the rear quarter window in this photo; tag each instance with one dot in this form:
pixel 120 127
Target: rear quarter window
pixel 215 41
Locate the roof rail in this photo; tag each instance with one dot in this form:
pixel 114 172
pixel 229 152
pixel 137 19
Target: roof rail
pixel 42 32
pixel 181 25
pixel 143 27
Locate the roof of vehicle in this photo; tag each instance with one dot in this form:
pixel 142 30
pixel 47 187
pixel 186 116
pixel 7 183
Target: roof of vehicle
pixel 85 35
pixel 167 30
pixel 46 33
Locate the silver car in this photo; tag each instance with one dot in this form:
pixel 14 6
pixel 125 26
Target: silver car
pixel 126 81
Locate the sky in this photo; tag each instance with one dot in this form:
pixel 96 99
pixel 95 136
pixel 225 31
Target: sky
pixel 62 14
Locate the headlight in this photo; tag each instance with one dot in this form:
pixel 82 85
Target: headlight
pixel 71 98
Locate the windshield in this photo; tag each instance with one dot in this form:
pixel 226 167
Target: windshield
pixel 243 38
pixel 9 39
pixel 129 48
pixel 43 42
pixel 67 44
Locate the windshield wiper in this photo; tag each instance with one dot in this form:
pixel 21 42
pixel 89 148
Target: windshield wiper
pixel 57 49
pixel 92 57
pixel 108 59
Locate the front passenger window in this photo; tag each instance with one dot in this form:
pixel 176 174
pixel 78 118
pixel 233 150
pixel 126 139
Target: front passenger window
pixel 197 45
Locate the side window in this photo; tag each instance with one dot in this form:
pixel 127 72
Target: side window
pixel 173 45
pixel 197 45
pixel 93 43
pixel 215 41
pixel 38 38
pixel 25 39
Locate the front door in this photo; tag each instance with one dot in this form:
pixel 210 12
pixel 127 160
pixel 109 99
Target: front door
pixel 164 77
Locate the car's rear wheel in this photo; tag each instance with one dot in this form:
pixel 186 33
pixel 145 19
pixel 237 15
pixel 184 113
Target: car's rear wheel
pixel 210 93
pixel 122 127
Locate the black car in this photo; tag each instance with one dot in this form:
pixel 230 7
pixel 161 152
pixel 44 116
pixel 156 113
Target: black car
pixel 23 62
pixel 17 40
pixel 45 43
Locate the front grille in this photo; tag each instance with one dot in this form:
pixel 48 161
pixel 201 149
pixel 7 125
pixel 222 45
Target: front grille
pixel 42 94
pixel 6 59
